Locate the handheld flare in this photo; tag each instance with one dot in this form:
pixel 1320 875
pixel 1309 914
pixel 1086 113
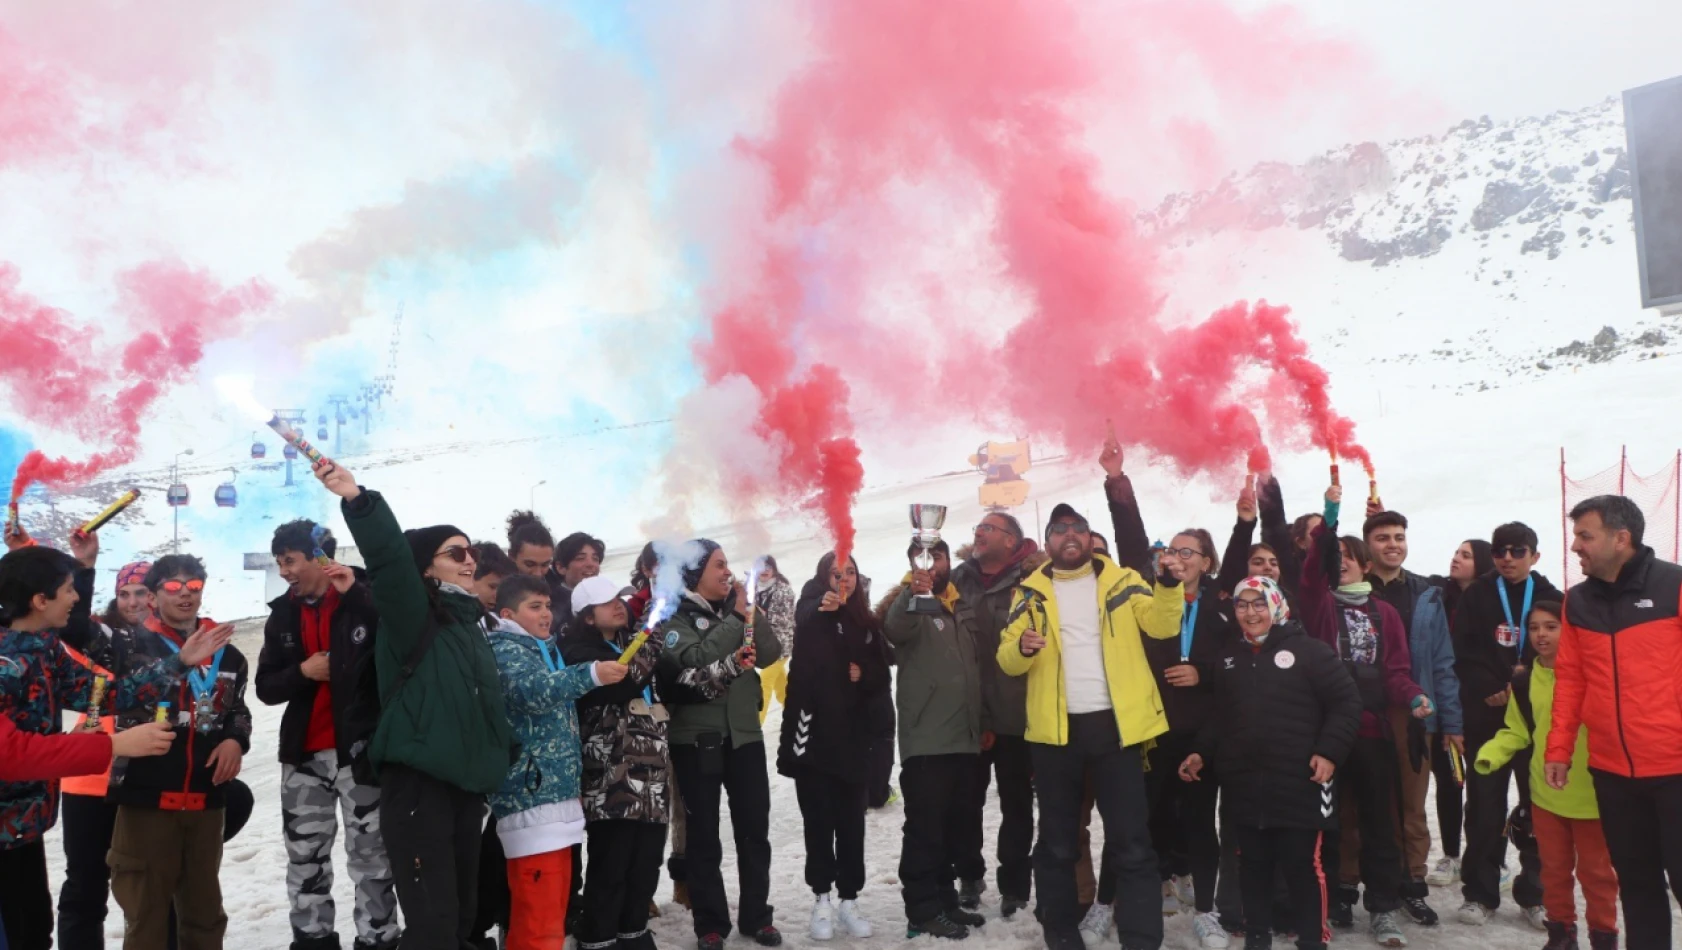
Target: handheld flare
pixel 1336 479
pixel 284 429
pixel 1459 766
pixel 1372 490
pixel 752 591
pixel 632 648
pixel 96 698
pixel 317 535
pixel 163 713
pixel 12 520
pixel 116 508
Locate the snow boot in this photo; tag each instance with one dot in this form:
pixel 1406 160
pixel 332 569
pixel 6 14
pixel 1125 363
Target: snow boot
pixel 1561 936
pixel 941 926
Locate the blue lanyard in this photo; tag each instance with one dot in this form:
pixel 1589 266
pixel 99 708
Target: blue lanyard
pixel 203 681
pixel 647 691
pixel 551 655
pixel 1507 608
pixel 1188 626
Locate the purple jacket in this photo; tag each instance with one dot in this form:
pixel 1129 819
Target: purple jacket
pixel 1319 617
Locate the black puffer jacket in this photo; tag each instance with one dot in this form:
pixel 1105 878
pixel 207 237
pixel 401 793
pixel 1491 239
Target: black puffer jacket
pixel 1483 663
pixel 827 719
pixel 1275 709
pixel 280 676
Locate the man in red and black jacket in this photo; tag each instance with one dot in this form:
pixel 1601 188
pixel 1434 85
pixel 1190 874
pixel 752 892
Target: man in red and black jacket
pixel 318 640
pixel 1620 660
pixel 167 846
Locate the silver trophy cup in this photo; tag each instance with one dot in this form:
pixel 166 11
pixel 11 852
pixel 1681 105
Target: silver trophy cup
pixel 925 522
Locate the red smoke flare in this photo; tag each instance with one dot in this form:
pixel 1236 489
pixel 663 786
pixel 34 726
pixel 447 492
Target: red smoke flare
pixel 972 106
pixel 57 379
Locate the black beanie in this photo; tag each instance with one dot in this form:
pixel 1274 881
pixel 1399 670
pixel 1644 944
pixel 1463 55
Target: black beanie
pixel 692 575
pixel 425 542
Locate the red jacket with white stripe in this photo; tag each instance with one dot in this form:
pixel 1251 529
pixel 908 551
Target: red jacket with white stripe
pixel 1620 671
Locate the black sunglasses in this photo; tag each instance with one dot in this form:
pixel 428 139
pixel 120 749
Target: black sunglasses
pixel 454 552
pixel 1511 550
pixel 1064 527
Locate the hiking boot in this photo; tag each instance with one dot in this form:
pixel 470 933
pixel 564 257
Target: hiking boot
pixel 1095 929
pixel 1011 905
pixel 969 894
pixel 1341 913
pixel 968 919
pixel 847 914
pixel 1386 930
pixel 941 926
pixel 1536 916
pixel 1064 939
pixel 1445 872
pixel 1419 911
pixel 1603 940
pixel 1561 937
pixel 768 936
pixel 710 942
pixel 1474 914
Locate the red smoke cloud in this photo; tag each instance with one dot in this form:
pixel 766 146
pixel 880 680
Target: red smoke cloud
pixel 59 379
pixel 927 112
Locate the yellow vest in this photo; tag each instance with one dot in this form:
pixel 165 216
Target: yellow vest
pixel 1128 605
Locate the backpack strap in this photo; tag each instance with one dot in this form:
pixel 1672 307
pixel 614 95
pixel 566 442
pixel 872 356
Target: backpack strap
pixel 1521 696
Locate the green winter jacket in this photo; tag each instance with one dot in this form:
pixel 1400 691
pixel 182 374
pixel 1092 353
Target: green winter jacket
pixel 939 689
pixel 700 659
pixel 1577 799
pixel 448 720
pixel 542 707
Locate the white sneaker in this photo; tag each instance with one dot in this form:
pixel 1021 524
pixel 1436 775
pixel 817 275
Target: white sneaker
pixel 1184 890
pixel 1095 929
pixel 1474 914
pixel 1537 916
pixel 848 914
pixel 1210 934
pixel 1170 899
pixel 1445 872
pixel 823 918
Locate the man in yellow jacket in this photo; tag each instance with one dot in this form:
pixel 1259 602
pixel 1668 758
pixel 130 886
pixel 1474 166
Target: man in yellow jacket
pixel 1074 631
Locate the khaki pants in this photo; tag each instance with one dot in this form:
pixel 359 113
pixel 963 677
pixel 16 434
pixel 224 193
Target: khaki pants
pixel 161 859
pixel 1413 835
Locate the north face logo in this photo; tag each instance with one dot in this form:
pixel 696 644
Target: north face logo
pixel 1643 605
pixel 1229 662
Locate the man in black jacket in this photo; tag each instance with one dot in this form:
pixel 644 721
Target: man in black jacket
pixel 1490 633
pixel 319 636
pixel 166 849
pixel 986 580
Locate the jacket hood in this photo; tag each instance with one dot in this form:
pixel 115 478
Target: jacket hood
pixel 506 629
pixel 1032 560
pixel 1108 572
pixel 950 599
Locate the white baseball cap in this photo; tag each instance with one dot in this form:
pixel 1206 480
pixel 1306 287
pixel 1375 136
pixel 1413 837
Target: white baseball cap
pixel 592 592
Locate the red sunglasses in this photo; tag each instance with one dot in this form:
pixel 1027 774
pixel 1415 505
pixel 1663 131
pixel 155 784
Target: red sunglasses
pixel 176 587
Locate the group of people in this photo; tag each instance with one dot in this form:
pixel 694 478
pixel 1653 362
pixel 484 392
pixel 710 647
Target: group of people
pixel 514 741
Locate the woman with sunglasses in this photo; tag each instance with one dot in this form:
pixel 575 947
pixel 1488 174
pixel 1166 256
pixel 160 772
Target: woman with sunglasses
pixel 443 742
pixel 1182 814
pixel 1491 627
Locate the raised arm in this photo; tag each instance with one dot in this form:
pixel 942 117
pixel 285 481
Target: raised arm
pixel 1132 545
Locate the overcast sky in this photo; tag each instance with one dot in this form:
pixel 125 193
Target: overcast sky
pixel 1508 58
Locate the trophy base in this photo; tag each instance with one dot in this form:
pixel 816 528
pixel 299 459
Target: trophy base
pixel 925 604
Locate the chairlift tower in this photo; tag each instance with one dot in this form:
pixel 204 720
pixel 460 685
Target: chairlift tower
pixel 339 404
pixel 386 385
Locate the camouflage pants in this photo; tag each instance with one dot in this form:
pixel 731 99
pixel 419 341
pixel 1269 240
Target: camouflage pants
pixel 311 795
